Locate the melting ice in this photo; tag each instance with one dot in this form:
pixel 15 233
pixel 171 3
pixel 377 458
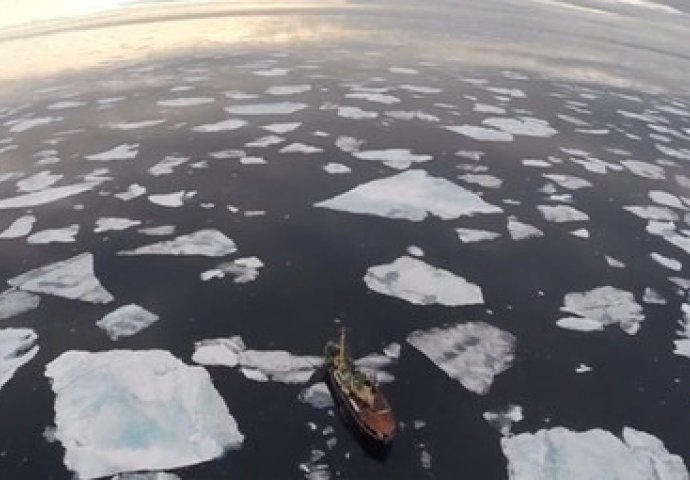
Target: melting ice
pixel 17 347
pixel 208 242
pixel 600 307
pixel 126 321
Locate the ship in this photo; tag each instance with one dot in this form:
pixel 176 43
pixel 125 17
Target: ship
pixel 359 396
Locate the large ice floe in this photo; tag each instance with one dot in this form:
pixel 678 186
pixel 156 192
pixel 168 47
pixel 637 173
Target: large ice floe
pixel 563 454
pixel 208 243
pixel 17 347
pixel 126 321
pixel 419 283
pixel 123 410
pixel 14 302
pixel 472 353
pixel 54 235
pixel 601 307
pixel 38 181
pixel 410 195
pixel 682 345
pixel 258 365
pixel 48 195
pixel 73 278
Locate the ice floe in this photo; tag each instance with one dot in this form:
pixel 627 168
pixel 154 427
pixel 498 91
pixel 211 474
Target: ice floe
pixel 121 152
pixel 14 302
pixel 30 123
pixel 221 126
pixel 250 161
pixel 522 126
pixel 218 351
pixel 281 128
pixel 600 307
pixel 54 235
pixel 411 195
pixel 172 200
pixel 65 104
pixel 580 233
pixel 48 195
pixel 167 165
pixel 265 141
pixel 21 227
pixel 126 321
pixel 569 182
pixel 207 242
pixel 490 109
pixel 348 144
pixel 682 345
pixel 73 278
pixel 419 283
pixel 278 108
pixel 483 180
pixel 536 163
pixel 336 168
pixel 39 181
pixel 403 70
pixel 653 297
pixel 317 395
pixel 133 191
pixel 666 262
pixel 160 231
pixel 17 347
pixel 666 199
pixel 302 148
pixel 154 412
pixel 562 213
pixel 521 231
pixel 374 97
pixel 185 102
pixel 398 158
pixel 472 353
pixel 135 125
pixel 277 366
pixel 356 113
pixel 421 89
pixel 244 270
pixel 106 224
pixel 502 420
pixel 652 212
pixel 571 455
pixel 470 235
pixel 412 115
pixel 483 134
pixel 288 89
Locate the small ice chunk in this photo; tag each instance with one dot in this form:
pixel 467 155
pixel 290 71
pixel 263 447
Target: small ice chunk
pixel 146 476
pixel 536 163
pixel 39 181
pixel 490 109
pixel 411 115
pixel 207 242
pixel 272 72
pixel 245 270
pixel 502 420
pixel 253 161
pixel 288 89
pixel 522 231
pixel 73 278
pixel 645 170
pixel 472 353
pixel 524 126
pixel 226 154
pixel 221 126
pixel 419 283
pixel 415 251
pixel 120 152
pixel 374 97
pixel 154 412
pixel 569 182
pixel 601 307
pixel 133 191
pixel 470 235
pixel 172 200
pixel 666 262
pixel 54 235
pixel 160 231
pixel 182 102
pixel 356 113
pixel 570 455
pixel 421 89
pixel 21 227
pixel 482 134
pixel 582 368
pixel 562 213
pixel 403 70
pixel 397 158
pixel 336 168
pixel 167 165
pixel 106 224
pixel 48 195
pixel 135 125
pixel 126 321
pixel 682 345
pixel 279 108
pixel 486 181
pixel 29 123
pixel 265 141
pixel 317 395
pixel 410 195
pixel 218 351
pixel 653 297
pixel 14 302
pixel 392 350
pixel 667 199
pixel 278 366
pixel 281 128
pixel 652 212
pixel 580 233
pixel 348 144
pixel 303 148
pixel 17 347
